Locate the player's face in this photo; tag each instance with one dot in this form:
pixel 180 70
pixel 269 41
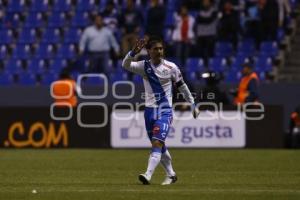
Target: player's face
pixel 156 51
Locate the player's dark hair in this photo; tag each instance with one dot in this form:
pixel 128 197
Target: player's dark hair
pixel 64 74
pixel 153 40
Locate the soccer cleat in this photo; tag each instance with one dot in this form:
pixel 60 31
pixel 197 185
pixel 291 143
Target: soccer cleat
pixel 145 179
pixel 169 180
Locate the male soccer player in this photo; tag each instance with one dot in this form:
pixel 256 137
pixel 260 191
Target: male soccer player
pixel 158 76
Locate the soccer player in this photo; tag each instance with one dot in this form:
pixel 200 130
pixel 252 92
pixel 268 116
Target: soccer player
pixel 158 76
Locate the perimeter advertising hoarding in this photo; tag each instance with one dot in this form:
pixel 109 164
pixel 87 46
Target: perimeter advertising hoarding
pixel 128 130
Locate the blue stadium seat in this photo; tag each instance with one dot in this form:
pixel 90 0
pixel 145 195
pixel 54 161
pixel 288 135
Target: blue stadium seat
pixel 34 20
pixel 86 5
pixel 223 49
pixel 12 20
pixel 169 21
pixel 238 61
pixel 51 35
pixel 233 76
pixel 14 66
pixel 194 65
pixel 6 36
pixel 26 79
pixel 57 20
pixel 93 81
pixel 263 63
pixel 137 79
pixel 3 52
pixel 16 6
pixel 39 5
pixel 81 19
pixel 62 6
pixel 118 76
pixel 28 36
pixel 45 51
pixel 48 78
pixel 217 64
pixel 37 66
pixel 22 51
pixel 57 64
pixel 67 51
pixel 269 48
pixel 5 79
pixel 246 47
pixel 192 77
pixel 72 35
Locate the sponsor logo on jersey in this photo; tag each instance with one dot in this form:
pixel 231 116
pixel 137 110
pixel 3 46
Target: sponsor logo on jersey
pixel 155 129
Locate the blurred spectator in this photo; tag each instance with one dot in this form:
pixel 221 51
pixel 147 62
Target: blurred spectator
pixel 206 29
pixel 248 87
pixel 155 19
pixel 97 40
pixel 284 12
pixel 269 19
pixel 130 22
pixel 110 17
pixel 183 34
pixel 212 92
pixel 294 130
pixel 64 90
pixel 230 20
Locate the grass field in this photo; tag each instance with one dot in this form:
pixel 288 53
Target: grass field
pixel 112 174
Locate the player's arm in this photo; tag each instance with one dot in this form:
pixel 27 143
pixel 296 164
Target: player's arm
pixel 183 88
pixel 128 62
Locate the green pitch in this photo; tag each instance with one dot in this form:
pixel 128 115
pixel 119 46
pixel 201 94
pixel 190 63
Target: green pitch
pixel 112 174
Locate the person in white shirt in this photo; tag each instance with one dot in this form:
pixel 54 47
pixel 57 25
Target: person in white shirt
pixel 97 40
pixel 159 75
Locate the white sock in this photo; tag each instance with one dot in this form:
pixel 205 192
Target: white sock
pixel 166 161
pixel 154 160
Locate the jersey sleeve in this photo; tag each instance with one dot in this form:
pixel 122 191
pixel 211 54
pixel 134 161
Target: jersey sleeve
pixel 176 75
pixel 132 66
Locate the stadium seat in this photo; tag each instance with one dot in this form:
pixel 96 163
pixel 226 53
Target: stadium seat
pixel 57 65
pixel 26 79
pixel 263 63
pixel 223 49
pixel 34 20
pixel 37 66
pixel 39 5
pixel 3 52
pixel 5 79
pixel 28 36
pixel 81 19
pixel 57 20
pixel 269 49
pixel 48 78
pixel 233 76
pixel 194 65
pixel 16 6
pixel 67 51
pixel 246 47
pixel 72 35
pixel 51 35
pixel 22 51
pixel 118 76
pixel 137 79
pixel 62 6
pixel 6 36
pixel 169 21
pixel 14 66
pixel 45 51
pixel 87 5
pixel 238 61
pixel 12 20
pixel 217 64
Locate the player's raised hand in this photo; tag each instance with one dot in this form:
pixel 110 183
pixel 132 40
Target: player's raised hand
pixel 139 45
